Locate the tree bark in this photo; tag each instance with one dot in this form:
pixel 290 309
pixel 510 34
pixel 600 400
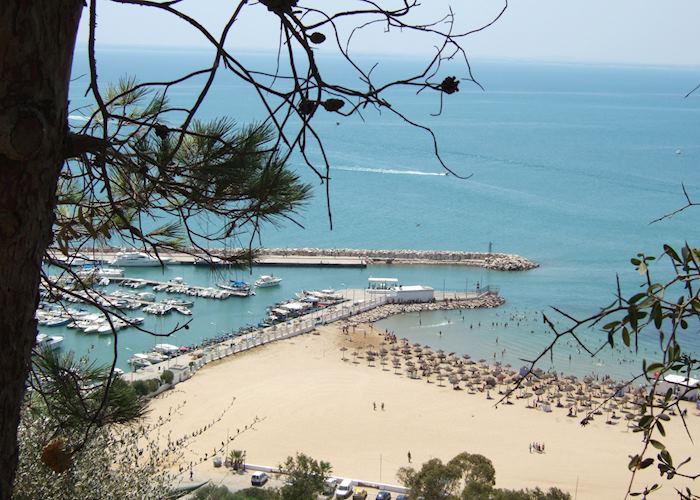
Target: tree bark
pixel 37 39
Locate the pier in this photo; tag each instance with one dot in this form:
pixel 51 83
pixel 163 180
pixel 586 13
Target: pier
pixel 357 304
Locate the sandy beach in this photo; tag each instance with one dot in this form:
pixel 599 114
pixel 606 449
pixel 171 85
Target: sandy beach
pixel 306 398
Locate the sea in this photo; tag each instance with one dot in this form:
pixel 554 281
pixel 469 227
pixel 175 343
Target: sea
pixel 569 166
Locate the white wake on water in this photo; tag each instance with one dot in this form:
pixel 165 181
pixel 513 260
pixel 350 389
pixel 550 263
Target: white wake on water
pixel 389 171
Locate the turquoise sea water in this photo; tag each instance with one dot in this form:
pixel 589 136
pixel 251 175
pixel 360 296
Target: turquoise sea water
pixel 570 164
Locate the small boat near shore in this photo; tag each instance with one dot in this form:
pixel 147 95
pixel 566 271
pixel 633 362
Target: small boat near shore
pixel 52 342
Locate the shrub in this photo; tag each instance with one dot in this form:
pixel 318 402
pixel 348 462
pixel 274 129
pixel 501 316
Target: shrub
pixel 140 387
pixel 153 385
pixel 167 376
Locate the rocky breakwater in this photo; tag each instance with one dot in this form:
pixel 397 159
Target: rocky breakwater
pixel 496 261
pixel 486 300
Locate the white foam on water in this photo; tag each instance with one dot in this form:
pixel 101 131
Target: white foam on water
pixel 389 171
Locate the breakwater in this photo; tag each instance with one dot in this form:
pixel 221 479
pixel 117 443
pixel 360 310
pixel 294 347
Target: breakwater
pixel 485 300
pixel 496 261
pixel 342 257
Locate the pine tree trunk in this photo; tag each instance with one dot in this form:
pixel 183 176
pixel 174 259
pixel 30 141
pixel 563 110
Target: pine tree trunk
pixel 37 38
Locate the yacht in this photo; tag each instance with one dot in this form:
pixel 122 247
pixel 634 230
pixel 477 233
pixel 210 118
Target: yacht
pixel 266 281
pixel 136 259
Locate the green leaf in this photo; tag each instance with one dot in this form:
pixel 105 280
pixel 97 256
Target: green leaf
pixel 657 315
pixel 672 253
pixel 626 336
pixel 654 366
pixel 645 421
pixel 611 326
pixel 660 427
pixel 637 297
pixel 646 463
pixel 657 444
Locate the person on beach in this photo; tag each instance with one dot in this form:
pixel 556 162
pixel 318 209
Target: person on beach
pixel 374 405
pixel 409 457
pixel 382 406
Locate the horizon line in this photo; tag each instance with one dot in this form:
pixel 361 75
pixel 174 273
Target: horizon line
pixel 403 55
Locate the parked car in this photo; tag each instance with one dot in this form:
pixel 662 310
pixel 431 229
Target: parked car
pixel 259 479
pixel 329 486
pixel 360 495
pixel 402 497
pixel 345 489
pixel 383 495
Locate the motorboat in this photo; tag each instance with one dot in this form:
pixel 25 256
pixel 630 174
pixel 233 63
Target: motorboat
pixel 136 259
pixel 90 270
pixel 178 302
pixel 75 260
pixel 157 309
pixel 57 321
pixel 266 281
pixel 210 261
pixel 236 287
pixel 52 342
pixel 155 357
pixel 166 349
pixel 139 360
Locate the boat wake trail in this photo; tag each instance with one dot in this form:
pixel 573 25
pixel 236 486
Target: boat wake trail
pixel 389 171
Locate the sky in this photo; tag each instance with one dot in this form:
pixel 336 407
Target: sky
pixel 648 32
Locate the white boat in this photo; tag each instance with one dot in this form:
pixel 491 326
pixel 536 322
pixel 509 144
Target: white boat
pixel 57 321
pixel 158 309
pixel 76 260
pixel 178 302
pixel 136 259
pixel 139 360
pixel 93 327
pixel 155 357
pixel 183 310
pixel 107 329
pixel 210 261
pixel 266 281
pixel 237 288
pixel 146 296
pixel 166 349
pixel 44 341
pixel 100 272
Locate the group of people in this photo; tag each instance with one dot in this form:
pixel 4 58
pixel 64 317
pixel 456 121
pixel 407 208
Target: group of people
pixel 374 406
pixel 537 447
